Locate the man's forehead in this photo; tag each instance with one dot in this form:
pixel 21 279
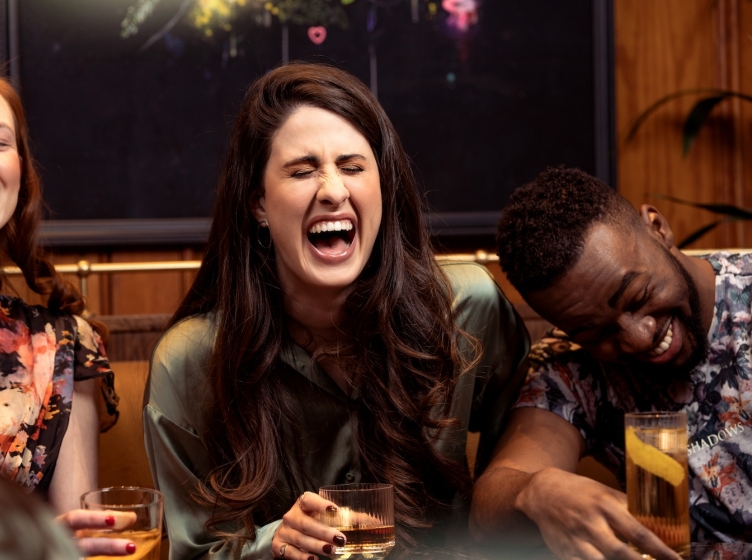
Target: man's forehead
pixel 611 260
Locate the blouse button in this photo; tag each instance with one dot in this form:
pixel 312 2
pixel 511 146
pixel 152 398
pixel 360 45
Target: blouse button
pixel 349 477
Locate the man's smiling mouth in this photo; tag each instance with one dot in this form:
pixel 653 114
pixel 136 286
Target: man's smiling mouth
pixel 666 342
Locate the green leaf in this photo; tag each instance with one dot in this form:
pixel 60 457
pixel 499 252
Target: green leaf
pixel 642 117
pixel 735 212
pixel 694 236
pixel 696 119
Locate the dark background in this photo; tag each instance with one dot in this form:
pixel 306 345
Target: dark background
pixel 123 134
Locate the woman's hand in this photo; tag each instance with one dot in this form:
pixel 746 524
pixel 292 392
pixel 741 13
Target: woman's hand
pixel 86 524
pixel 300 536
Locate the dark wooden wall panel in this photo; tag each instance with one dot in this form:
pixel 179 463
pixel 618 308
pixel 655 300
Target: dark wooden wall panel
pixel 663 47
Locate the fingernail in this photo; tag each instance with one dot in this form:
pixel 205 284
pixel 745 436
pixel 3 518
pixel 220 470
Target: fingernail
pixel 331 509
pixel 311 558
pixel 130 548
pixel 339 540
pixel 109 520
pixel 327 548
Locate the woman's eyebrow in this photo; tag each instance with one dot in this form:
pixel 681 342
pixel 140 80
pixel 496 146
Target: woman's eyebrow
pixel 347 157
pixel 309 159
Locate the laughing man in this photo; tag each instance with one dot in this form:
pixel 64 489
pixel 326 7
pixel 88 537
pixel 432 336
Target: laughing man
pixel 647 328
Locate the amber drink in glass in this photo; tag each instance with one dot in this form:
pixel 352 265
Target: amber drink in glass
pixel 146 532
pixel 365 515
pixel 657 475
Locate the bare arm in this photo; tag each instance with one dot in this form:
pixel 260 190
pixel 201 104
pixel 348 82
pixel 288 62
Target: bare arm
pixel 77 464
pixel 76 473
pixel 531 481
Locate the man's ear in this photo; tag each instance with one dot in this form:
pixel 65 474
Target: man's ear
pixel 657 225
pixel 258 208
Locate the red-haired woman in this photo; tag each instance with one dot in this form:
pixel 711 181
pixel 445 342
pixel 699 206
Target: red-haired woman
pixel 320 342
pixel 52 362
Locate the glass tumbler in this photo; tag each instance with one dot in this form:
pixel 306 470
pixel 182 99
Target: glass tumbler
pixel 146 532
pixel 365 515
pixel 657 475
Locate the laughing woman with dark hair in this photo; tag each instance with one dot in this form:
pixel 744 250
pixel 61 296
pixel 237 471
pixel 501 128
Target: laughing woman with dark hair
pixel 321 343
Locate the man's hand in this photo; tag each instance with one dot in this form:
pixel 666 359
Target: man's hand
pixel 581 518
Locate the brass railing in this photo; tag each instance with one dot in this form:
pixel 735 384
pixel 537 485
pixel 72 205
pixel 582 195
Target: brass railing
pixel 83 269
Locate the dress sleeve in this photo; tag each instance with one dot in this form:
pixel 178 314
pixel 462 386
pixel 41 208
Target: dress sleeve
pixel 561 381
pixel 177 456
pixel 91 363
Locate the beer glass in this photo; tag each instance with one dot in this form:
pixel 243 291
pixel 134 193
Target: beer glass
pixel 146 532
pixel 657 475
pixel 365 515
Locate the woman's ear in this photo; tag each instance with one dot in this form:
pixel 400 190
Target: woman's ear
pixel 258 208
pixel 657 225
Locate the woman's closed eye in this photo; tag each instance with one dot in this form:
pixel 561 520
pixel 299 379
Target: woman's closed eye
pixel 352 169
pixel 301 173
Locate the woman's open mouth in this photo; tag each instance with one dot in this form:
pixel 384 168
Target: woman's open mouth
pixel 332 238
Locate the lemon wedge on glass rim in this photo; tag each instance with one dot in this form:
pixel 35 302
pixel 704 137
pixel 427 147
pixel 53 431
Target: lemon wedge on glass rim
pixel 653 460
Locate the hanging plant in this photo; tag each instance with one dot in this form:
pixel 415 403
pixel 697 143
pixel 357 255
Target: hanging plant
pixel 212 15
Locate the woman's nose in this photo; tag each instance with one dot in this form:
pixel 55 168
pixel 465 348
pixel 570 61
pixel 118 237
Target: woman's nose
pixel 332 190
pixel 636 333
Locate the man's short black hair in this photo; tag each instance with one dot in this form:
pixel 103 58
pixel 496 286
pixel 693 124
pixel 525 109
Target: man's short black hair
pixel 543 228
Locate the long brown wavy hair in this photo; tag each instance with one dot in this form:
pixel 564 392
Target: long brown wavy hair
pixel 402 345
pixel 18 238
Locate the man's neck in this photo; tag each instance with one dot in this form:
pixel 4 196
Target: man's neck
pixel 703 274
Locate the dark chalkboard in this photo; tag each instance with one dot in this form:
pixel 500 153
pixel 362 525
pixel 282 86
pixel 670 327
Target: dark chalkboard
pixel 123 131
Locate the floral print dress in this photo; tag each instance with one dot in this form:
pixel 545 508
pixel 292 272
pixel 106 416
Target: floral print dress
pixel 717 399
pixel 41 355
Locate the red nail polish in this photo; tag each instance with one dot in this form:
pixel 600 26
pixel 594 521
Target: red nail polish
pixel 339 540
pixel 311 558
pixel 327 548
pixel 331 509
pixel 109 520
pixel 130 548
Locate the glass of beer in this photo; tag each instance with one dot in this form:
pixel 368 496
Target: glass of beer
pixel 146 532
pixel 365 515
pixel 657 475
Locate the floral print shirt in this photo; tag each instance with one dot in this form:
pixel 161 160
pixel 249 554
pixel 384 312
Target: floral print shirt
pixel 41 355
pixel 717 399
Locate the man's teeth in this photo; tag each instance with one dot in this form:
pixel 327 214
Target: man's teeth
pixel 340 225
pixel 665 343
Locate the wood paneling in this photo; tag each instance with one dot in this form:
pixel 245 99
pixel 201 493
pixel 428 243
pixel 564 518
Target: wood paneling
pixel 122 455
pixel 667 46
pixel 148 292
